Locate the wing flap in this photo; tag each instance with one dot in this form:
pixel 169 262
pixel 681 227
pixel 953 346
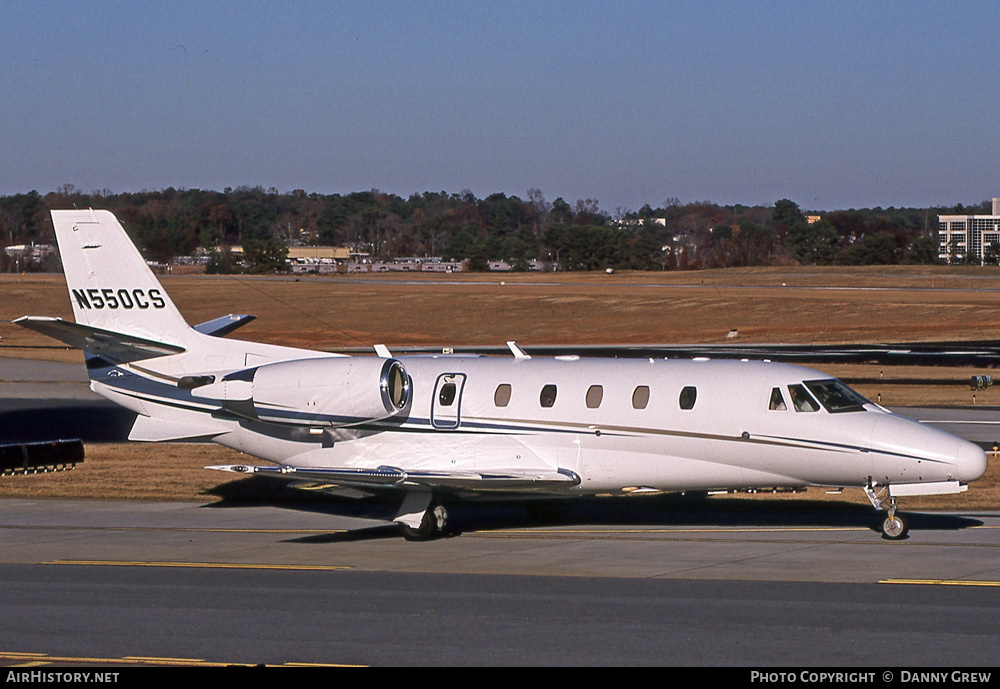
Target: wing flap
pixel 116 347
pixel 385 477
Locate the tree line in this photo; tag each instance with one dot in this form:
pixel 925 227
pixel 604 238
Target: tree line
pixel 460 226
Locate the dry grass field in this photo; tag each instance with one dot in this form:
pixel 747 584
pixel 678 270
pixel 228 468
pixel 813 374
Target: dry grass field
pixel 775 305
pixel 794 305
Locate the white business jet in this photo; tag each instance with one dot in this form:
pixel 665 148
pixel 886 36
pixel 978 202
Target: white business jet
pixel 434 430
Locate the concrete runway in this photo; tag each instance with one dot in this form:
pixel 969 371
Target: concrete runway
pixel 138 583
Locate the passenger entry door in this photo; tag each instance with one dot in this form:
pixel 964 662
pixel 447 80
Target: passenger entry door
pixel 447 402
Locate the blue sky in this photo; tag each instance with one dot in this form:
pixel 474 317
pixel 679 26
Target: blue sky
pixel 834 105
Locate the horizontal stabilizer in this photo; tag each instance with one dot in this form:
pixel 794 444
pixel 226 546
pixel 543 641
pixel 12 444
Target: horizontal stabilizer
pixel 392 477
pixel 147 429
pixel 219 327
pixel 116 347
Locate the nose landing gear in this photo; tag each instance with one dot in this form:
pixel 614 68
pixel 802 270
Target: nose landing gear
pixel 894 528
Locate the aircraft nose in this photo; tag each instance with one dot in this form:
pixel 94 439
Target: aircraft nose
pixel 955 459
pixel 970 462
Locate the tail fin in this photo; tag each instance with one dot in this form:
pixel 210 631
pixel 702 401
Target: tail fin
pixel 124 315
pixel 110 284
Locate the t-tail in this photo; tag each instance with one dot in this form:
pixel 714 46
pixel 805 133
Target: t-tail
pixel 110 285
pixel 123 315
pixel 140 352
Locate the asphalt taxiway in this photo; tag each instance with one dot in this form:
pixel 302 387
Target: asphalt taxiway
pixel 653 580
pixel 163 583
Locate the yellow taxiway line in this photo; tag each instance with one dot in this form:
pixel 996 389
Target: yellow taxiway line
pixel 196 565
pixel 942 582
pixel 36 659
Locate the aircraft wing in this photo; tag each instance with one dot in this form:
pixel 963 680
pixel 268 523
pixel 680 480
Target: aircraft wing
pixel 386 477
pixel 116 347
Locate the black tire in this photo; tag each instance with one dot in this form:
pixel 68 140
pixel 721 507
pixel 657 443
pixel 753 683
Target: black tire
pixel 894 528
pixel 424 532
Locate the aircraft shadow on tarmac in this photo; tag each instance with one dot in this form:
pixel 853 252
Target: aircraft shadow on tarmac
pixel 664 510
pixel 31 421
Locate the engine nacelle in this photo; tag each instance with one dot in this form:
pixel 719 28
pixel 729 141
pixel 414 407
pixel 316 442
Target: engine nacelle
pixel 334 392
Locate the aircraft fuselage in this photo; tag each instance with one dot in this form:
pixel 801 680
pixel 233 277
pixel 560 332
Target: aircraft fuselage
pixel 619 424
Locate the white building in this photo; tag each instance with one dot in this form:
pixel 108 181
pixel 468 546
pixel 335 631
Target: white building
pixel 26 255
pixel 967 238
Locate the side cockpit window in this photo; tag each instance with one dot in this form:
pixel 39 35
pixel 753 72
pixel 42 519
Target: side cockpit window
pixel 777 402
pixel 835 396
pixel 802 400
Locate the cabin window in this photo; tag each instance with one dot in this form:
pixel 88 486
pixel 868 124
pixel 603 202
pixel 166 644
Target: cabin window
pixel 688 397
pixel 447 395
pixel 777 401
pixel 548 396
pixel 802 400
pixel 640 397
pixel 501 397
pixel 594 396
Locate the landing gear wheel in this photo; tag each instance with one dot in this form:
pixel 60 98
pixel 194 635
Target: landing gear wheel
pixel 432 525
pixel 894 528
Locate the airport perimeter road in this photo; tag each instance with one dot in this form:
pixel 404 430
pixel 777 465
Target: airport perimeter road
pixel 142 582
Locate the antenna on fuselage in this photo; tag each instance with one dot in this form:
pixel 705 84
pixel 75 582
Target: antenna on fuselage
pixel 517 351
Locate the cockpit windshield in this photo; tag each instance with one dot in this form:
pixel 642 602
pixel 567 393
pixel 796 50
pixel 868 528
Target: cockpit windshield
pixel 835 396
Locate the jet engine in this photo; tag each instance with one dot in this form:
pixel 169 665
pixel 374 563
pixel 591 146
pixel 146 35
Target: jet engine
pixel 332 392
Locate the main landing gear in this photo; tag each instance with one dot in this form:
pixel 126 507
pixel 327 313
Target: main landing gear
pixel 421 517
pixel 432 525
pixel 894 527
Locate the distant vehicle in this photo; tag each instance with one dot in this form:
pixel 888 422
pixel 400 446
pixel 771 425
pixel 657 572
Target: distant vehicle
pixel 437 429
